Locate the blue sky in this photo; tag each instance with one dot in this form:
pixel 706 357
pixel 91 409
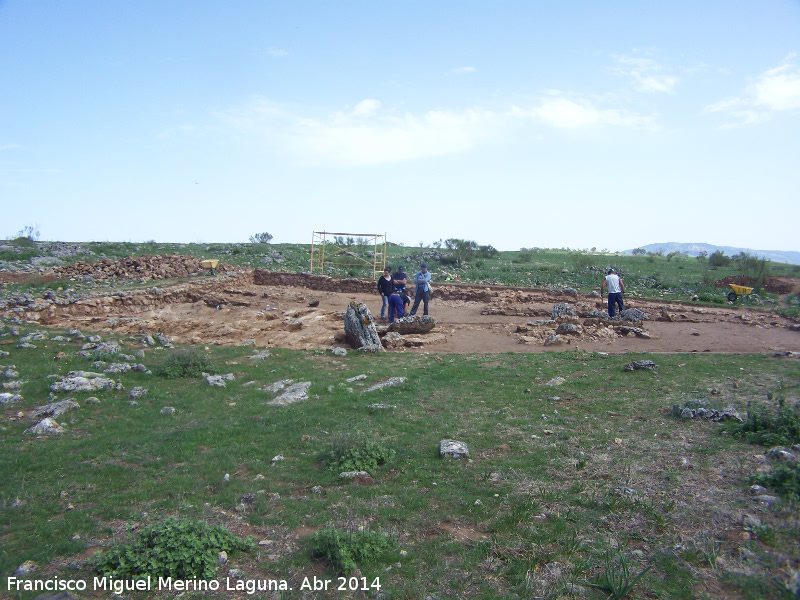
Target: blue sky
pixel 513 123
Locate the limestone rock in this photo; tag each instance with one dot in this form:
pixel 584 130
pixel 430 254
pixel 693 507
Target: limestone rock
pixel 294 393
pixel 46 426
pixel 360 327
pixel 413 324
pixel 54 409
pixel 453 449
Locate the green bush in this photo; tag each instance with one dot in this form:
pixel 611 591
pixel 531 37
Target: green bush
pixel 767 427
pixel 185 363
pixel 783 479
pixel 355 452
pixel 347 550
pixel 176 548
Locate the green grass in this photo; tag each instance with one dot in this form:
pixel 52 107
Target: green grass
pixel 556 476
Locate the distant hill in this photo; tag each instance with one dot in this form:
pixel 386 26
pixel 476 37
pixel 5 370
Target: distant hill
pixel 790 257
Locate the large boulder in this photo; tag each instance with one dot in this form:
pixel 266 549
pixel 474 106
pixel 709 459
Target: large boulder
pixel 359 327
pixel 413 324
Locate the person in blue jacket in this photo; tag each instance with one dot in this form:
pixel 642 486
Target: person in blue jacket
pixel 422 289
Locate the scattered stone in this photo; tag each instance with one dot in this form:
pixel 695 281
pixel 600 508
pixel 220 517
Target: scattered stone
pixel 83 381
pixel 556 381
pixel 392 381
pixel 633 315
pixel 381 407
pixel 218 380
pixel 10 372
pixel 277 386
pixel 564 311
pixel 339 351
pixel 453 449
pixel 553 340
pixel 26 568
pixel 639 332
pixel 294 393
pixel 137 392
pixel 7 398
pixel 568 291
pixel 636 365
pixel 168 410
pixel 54 409
pixel 92 400
pixel 568 329
pixel 46 426
pixel 260 355
pixel 356 378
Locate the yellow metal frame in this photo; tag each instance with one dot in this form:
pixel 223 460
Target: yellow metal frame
pixel 321 243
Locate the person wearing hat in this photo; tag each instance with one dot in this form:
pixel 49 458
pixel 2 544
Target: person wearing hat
pixel 422 289
pixel 400 279
pixel 615 289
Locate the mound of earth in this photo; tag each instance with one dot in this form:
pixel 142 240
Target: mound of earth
pixel 774 285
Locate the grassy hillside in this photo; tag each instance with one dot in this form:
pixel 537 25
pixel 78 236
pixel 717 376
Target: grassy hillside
pixel 670 277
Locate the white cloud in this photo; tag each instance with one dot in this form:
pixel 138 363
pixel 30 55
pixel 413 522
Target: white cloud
pixel 647 75
pixel 773 91
pixel 366 108
pixel 368 134
pixel 778 89
pixel 277 52
pixel 464 70
pixel 564 113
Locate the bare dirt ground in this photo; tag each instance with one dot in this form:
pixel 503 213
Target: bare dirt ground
pixel 232 309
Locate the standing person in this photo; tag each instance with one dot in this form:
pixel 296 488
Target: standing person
pixel 386 289
pixel 615 289
pixel 400 279
pixel 422 290
pixel 395 307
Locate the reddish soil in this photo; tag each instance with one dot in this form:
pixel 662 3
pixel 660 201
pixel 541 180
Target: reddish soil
pixel 232 309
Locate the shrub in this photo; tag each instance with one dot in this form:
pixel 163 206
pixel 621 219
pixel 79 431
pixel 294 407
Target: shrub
pixel 355 452
pixel 347 550
pixel 185 363
pixel 176 548
pixel 783 479
pixel 771 428
pixel 261 238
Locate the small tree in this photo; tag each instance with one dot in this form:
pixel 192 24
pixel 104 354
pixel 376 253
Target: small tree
pixel 718 259
pixel 261 238
pixel 638 251
pixel 462 250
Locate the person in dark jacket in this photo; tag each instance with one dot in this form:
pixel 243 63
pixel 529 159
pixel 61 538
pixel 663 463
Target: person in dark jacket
pixel 386 289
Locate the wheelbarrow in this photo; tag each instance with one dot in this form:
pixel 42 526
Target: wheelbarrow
pixel 210 265
pixel 739 291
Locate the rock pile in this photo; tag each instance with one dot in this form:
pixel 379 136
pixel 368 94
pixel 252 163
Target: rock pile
pixel 164 266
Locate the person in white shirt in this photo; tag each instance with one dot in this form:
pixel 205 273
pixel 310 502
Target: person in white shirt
pixel 615 290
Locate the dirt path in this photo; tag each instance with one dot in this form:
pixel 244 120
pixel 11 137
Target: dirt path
pixel 234 310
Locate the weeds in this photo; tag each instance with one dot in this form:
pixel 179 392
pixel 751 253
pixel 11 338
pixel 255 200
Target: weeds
pixel 175 548
pixel 185 363
pixel 355 452
pixel 348 550
pixel 616 577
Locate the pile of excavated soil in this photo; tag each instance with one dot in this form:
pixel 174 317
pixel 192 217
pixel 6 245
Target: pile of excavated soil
pixel 164 266
pixel 307 312
pixel 774 285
